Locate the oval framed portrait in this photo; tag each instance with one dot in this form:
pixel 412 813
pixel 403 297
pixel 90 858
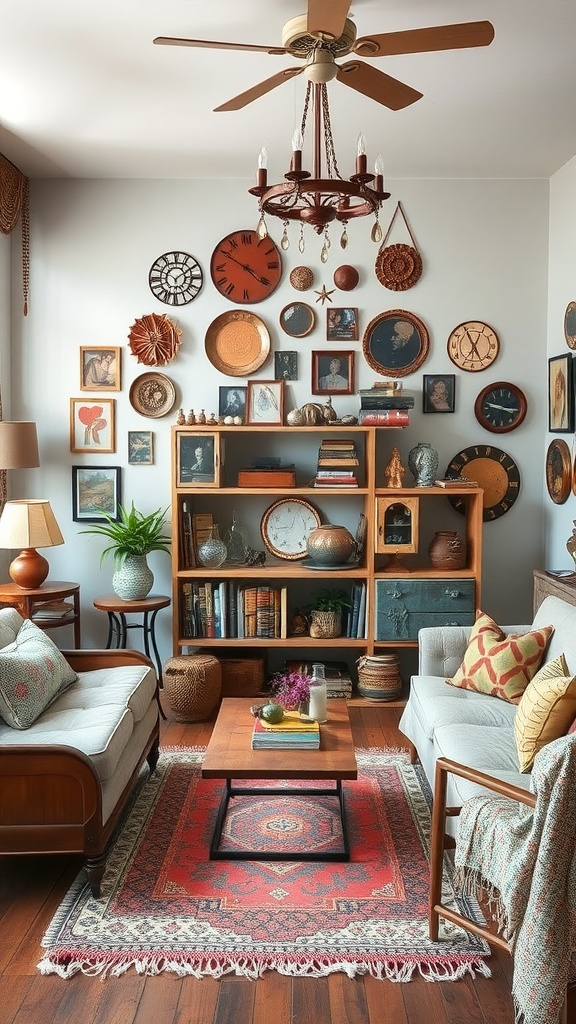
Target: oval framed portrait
pixel 570 325
pixel 297 319
pixel 395 343
pixel 558 471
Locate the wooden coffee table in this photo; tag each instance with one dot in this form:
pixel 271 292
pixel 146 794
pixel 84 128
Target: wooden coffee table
pixel 229 756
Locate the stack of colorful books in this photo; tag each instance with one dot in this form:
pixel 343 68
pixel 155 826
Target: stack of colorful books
pixel 385 405
pixel 337 462
pixel 292 733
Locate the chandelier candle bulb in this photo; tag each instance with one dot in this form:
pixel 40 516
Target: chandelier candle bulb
pixel 379 171
pixel 361 154
pixel 262 175
pixel 297 144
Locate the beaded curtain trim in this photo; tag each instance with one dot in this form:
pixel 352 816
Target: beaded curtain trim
pixel 14 202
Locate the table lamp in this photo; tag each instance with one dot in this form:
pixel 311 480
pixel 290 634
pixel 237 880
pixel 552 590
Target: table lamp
pixel 18 445
pixel 29 524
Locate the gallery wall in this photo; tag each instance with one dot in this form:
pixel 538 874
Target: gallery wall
pixel 484 246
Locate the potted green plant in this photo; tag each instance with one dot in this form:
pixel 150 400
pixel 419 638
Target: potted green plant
pixel 133 536
pixel 326 613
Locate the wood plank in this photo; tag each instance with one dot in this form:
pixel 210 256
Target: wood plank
pixel 235 1000
pixel 273 1001
pixel 310 1000
pixel 120 1000
pixel 385 1003
pixel 159 1002
pixel 197 1002
pixel 348 1004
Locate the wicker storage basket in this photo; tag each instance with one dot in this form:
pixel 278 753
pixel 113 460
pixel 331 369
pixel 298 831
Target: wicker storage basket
pixel 379 676
pixel 193 684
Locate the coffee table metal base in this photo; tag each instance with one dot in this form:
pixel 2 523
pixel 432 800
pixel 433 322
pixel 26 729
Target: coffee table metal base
pixel 229 791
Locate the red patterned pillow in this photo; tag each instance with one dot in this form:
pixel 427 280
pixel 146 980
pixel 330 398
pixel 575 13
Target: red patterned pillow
pixel 498 664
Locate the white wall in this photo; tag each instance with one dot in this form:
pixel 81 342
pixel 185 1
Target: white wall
pixel 558 519
pixel 484 246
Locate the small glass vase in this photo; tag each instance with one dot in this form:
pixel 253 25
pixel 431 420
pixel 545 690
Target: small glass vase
pixel 212 552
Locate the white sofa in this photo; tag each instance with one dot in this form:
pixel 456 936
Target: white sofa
pixel 473 728
pixel 65 779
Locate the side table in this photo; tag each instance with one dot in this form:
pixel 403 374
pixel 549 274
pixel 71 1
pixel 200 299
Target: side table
pixel 148 608
pixel 41 605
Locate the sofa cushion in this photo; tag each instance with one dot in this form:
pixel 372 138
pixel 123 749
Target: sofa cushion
pixel 435 705
pixel 32 674
pixel 498 664
pixel 546 710
pixel 487 748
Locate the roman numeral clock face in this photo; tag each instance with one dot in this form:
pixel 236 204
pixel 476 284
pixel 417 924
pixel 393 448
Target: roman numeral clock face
pixel 175 278
pixel 493 470
pixel 245 268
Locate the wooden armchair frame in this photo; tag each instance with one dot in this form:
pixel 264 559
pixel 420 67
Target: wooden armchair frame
pixel 438 844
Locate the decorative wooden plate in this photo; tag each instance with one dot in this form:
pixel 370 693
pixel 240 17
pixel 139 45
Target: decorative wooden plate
pixel 154 339
pixel 297 319
pixel 237 343
pixel 152 394
pixel 570 325
pixel 398 267
pixel 558 471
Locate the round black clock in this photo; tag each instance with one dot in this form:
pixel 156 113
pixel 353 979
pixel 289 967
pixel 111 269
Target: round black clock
pixel 175 278
pixel 493 470
pixel 500 407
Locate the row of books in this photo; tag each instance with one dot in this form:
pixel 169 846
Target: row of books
pixel 230 610
pixel 337 462
pixel 337 674
pixel 356 623
pixel 292 733
pixel 195 528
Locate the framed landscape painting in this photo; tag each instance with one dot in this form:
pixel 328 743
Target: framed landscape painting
pixel 95 489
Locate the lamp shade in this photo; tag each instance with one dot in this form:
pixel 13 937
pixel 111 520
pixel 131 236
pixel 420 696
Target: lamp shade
pixel 29 524
pixel 18 445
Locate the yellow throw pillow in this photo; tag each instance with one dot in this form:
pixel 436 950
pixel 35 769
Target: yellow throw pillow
pixel 500 665
pixel 546 710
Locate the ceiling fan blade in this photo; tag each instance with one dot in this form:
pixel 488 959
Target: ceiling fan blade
pixel 261 89
pixel 378 86
pixel 327 17
pixel 424 40
pixel 214 44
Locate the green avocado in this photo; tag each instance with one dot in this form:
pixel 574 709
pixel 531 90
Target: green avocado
pixel 272 713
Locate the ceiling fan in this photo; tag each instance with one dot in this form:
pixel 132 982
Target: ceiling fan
pixel 326 32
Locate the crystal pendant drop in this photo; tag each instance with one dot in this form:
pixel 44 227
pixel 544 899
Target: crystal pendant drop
pixel 376 233
pixel 344 239
pixel 285 241
pixel 324 253
pixel 262 230
pixel 301 242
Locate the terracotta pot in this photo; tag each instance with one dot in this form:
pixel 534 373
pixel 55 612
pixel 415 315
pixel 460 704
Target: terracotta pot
pixel 330 545
pixel 447 551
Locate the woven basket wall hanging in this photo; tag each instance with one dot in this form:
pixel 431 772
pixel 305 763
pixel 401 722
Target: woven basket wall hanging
pixel 398 267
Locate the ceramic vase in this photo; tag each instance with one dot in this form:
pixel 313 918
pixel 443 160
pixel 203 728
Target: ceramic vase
pixel 134 579
pixel 447 550
pixel 423 464
pixel 330 545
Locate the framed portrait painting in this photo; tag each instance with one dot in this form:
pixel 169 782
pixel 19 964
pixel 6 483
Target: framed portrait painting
pixel 342 323
pixel 333 373
pixel 198 459
pixel 232 401
pixel 286 365
pixel 95 490
pixel 140 448
pixel 395 343
pixel 561 394
pixel 265 402
pixel 92 425
pixel 99 369
pixel 438 392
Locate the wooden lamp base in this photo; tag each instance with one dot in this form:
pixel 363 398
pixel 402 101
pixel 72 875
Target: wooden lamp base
pixel 29 569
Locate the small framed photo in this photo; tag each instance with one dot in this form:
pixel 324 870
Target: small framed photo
pixel 561 394
pixel 99 369
pixel 232 401
pixel 333 373
pixel 438 392
pixel 265 402
pixel 342 324
pixel 297 319
pixel 198 459
pixel 140 448
pixel 92 425
pixel 95 489
pixel 286 365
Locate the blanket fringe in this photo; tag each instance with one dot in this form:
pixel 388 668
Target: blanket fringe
pixel 394 969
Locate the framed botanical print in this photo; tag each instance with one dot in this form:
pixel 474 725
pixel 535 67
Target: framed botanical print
pixel 198 459
pixel 140 448
pixel 333 373
pixel 99 369
pixel 95 489
pixel 438 392
pixel 561 394
pixel 395 343
pixel 341 323
pixel 92 425
pixel 265 402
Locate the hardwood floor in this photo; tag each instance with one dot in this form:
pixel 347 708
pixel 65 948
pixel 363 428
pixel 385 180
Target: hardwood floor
pixel 32 887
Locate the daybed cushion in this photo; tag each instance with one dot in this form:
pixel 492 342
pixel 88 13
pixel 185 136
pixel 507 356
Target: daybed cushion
pixel 546 710
pixel 32 674
pixel 498 664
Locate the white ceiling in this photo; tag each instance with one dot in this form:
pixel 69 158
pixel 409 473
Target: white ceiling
pixel 84 93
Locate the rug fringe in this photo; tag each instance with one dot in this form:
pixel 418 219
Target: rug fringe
pixel 394 969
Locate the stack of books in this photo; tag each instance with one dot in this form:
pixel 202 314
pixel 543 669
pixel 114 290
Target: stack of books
pixel 292 733
pixel 385 405
pixel 337 462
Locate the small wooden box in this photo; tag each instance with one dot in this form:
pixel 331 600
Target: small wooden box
pixel 241 677
pixel 267 478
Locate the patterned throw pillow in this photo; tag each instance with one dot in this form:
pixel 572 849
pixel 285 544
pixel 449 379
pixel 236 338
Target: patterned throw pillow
pixel 546 710
pixel 32 673
pixel 498 664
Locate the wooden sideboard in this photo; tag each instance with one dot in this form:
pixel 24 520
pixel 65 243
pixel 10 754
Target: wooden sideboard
pixel 546 585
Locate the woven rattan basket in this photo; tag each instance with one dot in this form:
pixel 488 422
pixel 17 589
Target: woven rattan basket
pixel 193 684
pixel 379 676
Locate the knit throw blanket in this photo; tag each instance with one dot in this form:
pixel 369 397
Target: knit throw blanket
pixel 526 859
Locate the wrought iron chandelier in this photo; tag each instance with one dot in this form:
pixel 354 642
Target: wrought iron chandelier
pixel 310 198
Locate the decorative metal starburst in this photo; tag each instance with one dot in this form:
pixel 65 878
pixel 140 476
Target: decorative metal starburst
pixel 325 296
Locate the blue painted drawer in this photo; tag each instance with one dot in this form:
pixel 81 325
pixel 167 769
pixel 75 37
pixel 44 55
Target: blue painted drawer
pixel 405 606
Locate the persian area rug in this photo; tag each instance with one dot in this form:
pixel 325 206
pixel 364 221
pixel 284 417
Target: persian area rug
pixel 166 907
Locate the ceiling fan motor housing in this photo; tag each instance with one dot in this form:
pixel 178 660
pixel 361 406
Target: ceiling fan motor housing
pixel 296 38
